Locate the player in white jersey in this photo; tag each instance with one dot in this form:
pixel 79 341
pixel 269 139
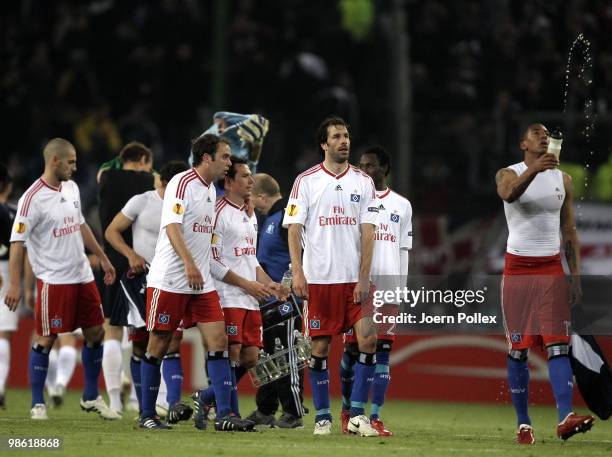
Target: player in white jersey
pixel 393 240
pixel 538 202
pixel 50 221
pixel 334 205
pixel 143 214
pixel 234 244
pixel 180 285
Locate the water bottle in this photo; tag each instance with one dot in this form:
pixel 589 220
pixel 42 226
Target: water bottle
pixel 287 278
pixel 261 370
pixel 269 365
pixel 554 143
pixel 302 346
pixel 281 360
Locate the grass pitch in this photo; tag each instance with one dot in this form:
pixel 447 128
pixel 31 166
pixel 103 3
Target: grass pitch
pixel 421 428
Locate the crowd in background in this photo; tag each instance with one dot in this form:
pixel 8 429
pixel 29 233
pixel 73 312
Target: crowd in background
pixel 102 73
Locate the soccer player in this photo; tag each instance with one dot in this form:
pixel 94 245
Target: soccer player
pixel 8 320
pixel 117 186
pixel 142 213
pixel 180 286
pixel 234 244
pixel 538 203
pixel 50 221
pixel 393 239
pixel 334 205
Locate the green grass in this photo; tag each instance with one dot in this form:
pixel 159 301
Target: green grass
pixel 421 428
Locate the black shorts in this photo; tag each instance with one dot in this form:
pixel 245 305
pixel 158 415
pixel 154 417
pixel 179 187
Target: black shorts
pixel 110 293
pixel 130 304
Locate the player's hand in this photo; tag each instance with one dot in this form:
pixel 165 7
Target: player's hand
pixel 361 293
pixel 575 291
pixel 13 296
pixel 258 290
pixel 109 271
pixel 194 277
pixel 299 285
pixel 254 129
pixel 279 291
pixel 546 162
pixel 137 263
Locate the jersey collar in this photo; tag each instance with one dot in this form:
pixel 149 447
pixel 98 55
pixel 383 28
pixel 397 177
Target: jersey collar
pixel 200 177
pixel 234 205
pixel 333 175
pixel 384 193
pixel 57 189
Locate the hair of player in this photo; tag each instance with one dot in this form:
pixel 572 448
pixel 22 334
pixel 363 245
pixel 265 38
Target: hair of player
pixel 57 147
pixel 205 144
pixel 134 152
pixel 5 177
pixel 265 184
pixel 174 167
pixel 231 173
pixel 384 160
pixel 322 130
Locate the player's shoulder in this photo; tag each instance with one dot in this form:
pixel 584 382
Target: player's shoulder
pixel 361 175
pixel 310 173
pixel 180 182
pixel 400 199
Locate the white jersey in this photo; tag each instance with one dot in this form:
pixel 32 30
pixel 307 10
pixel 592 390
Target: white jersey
pixel 394 233
pixel 190 202
pixel 234 244
pixel 534 218
pixel 144 210
pixel 49 221
pixel 331 208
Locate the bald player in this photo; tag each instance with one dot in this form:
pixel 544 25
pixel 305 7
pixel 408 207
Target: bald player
pixel 538 203
pixel 50 221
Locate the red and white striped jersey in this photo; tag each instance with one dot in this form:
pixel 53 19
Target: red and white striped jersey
pixel 49 222
pixel 190 202
pixel 234 243
pixel 331 208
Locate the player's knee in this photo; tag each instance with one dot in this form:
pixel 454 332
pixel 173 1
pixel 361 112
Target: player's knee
pixel 43 344
pixel 557 350
pixel 175 344
pixel 320 346
pixel 217 342
pixel 384 345
pixel 367 343
pixel 248 360
pixel 352 349
pixel 519 355
pixel 94 334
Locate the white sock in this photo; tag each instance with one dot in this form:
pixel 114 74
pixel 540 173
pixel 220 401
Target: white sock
pixel 66 361
pixel 111 366
pixel 52 370
pixel 163 393
pixel 5 362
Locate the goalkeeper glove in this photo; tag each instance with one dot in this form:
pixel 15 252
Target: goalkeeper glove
pixel 254 129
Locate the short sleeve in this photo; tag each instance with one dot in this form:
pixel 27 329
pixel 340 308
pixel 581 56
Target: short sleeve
pixel 368 210
pixel 406 228
pixel 175 203
pixel 25 220
pixel 77 196
pixel 134 207
pixel 217 236
pixel 296 211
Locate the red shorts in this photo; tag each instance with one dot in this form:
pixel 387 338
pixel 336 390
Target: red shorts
pixel 535 301
pixel 384 330
pixel 330 309
pixel 243 326
pixel 166 310
pixel 62 308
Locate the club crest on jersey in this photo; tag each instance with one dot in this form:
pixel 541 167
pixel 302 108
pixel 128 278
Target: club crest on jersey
pixel 516 337
pixel 315 324
pixel 20 227
pixel 395 218
pixel 177 208
pixel 292 210
pixel 56 322
pixel 285 309
pixel 232 330
pixel 163 319
pixel 349 332
pixel 355 198
pixel 270 228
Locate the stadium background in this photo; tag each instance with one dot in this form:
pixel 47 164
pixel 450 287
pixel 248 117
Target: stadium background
pixel 445 86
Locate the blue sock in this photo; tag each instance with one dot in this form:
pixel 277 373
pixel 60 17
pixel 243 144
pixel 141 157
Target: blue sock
pixel 234 397
pixel 91 356
pixel 207 396
pixel 150 376
pixel 221 380
pixel 173 375
pixel 518 382
pixel 364 373
pixel 380 382
pixel 560 375
pixel 319 383
pixel 38 366
pixel 135 371
pixel 347 377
